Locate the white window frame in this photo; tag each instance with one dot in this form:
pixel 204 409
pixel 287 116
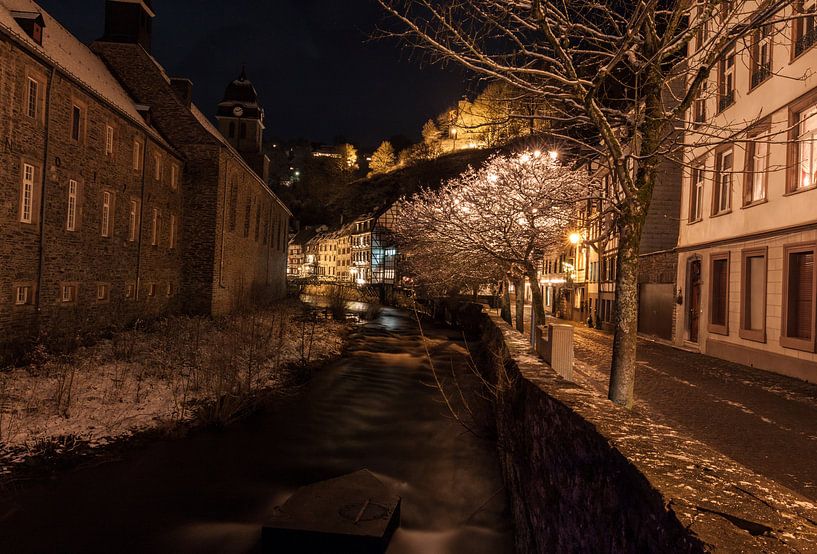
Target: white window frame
pixel 172 231
pixel 697 191
pixel 760 171
pixel 154 228
pixel 102 291
pixel 810 137
pixel 137 155
pixel 27 194
pixel 725 179
pixel 133 221
pixel 71 216
pixel 174 176
pixel 23 295
pixel 107 201
pixel 68 293
pixel 32 104
pixel 157 167
pixel 109 140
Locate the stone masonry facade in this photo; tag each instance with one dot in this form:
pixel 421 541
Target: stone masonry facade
pixel 117 203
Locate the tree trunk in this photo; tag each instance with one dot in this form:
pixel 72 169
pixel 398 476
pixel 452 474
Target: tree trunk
pixel 505 311
pixel 519 286
pixel 622 372
pixel 538 306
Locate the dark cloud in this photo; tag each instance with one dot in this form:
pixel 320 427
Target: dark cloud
pixel 314 63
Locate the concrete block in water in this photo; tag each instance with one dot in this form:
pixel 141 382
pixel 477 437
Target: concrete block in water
pixel 353 514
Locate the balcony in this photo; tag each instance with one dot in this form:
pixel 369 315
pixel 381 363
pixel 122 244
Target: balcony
pixel 805 42
pixel 726 100
pixel 760 74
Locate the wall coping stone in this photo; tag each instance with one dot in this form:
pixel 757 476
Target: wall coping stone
pixel 719 502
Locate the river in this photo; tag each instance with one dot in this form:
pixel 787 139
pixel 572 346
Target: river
pixel 377 407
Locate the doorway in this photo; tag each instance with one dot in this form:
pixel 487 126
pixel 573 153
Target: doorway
pixel 694 298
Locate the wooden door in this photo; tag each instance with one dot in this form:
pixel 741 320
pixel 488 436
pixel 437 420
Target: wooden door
pixel 694 299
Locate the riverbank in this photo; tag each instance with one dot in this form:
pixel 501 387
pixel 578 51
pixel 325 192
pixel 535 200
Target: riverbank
pixel 149 381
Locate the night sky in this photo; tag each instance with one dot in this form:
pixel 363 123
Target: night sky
pixel 318 72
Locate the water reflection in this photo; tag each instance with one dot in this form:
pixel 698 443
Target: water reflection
pixel 375 408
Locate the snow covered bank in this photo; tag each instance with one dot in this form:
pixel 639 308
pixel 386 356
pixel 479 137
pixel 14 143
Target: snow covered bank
pixel 175 371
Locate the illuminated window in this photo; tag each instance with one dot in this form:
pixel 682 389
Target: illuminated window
pixel 23 295
pixel 723 182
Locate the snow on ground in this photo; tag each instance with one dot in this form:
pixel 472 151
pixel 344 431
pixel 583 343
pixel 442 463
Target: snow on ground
pixel 170 373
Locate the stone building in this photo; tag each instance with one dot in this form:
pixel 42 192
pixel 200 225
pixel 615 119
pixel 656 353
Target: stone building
pixel 236 245
pixel 91 215
pixel 748 233
pixel 121 199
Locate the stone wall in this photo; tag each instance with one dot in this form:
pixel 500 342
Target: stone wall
pixel 586 476
pixel 46 254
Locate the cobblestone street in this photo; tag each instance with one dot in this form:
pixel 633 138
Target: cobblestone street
pixel 764 421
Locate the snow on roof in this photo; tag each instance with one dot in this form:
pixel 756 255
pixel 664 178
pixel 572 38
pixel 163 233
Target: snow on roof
pixel 72 57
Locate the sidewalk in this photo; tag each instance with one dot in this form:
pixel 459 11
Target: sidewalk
pixel 765 421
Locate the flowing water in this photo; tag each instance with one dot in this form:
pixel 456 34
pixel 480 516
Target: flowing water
pixel 376 408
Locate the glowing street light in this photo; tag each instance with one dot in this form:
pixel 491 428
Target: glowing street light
pixel 553 155
pixel 574 238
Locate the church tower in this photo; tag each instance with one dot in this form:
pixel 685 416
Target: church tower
pixel 241 121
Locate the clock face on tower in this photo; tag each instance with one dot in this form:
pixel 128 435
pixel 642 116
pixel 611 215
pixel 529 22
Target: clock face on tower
pixel 238 111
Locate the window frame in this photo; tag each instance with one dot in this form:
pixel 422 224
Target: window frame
pixel 28 290
pixel 726 98
pixel 78 126
pixel 757 74
pixel 72 208
pixel 714 327
pixel 699 166
pixel 110 140
pixel 717 184
pixel 762 128
pixel 106 222
pixel 794 343
pixel 157 167
pixel 134 220
pixel 138 155
pixel 73 288
pixel 174 176
pixel 756 335
pixel 28 187
pixel 798 28
pixel 154 227
pixel 35 102
pixel 796 109
pixel 105 288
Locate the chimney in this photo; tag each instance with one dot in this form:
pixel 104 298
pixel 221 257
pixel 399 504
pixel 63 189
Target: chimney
pixel 183 89
pixel 129 21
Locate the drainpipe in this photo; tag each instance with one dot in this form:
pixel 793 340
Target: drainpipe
pixel 140 237
pixel 44 189
pixel 223 229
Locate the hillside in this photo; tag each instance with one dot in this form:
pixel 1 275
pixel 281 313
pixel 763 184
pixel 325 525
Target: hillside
pixel 367 194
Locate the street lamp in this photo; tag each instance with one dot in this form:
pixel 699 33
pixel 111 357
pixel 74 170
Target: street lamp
pixel 553 155
pixel 574 238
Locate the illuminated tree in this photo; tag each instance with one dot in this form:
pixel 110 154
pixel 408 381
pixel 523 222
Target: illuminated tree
pixel 492 221
pixel 619 79
pixel 383 159
pixel 348 160
pixel 431 139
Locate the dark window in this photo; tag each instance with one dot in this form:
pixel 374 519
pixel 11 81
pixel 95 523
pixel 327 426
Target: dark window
pixel 805 30
pixel 719 295
pixel 799 299
pixel 76 122
pixel 726 88
pixel 753 296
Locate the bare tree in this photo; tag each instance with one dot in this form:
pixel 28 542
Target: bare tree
pixel 491 221
pixel 619 78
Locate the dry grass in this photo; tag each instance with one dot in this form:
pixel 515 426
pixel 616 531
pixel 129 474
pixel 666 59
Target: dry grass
pixel 173 370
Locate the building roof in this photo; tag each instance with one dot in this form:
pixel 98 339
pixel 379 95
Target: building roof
pixel 72 57
pixel 240 92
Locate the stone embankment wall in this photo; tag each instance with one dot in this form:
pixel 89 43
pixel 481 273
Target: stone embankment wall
pixel 584 475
